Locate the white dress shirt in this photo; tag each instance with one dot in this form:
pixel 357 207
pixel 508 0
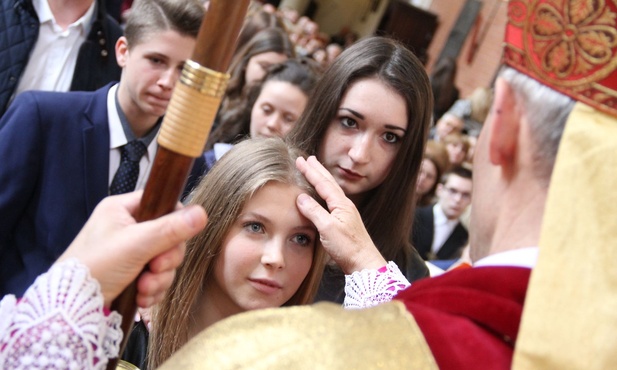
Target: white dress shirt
pixel 522 257
pixel 53 58
pixel 443 228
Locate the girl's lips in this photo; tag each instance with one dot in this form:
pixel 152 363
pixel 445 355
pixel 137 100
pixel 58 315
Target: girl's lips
pixel 349 174
pixel 265 285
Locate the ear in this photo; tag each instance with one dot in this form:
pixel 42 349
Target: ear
pixel 503 139
pixel 122 51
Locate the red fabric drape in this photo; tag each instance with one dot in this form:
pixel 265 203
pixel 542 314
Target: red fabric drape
pixel 470 317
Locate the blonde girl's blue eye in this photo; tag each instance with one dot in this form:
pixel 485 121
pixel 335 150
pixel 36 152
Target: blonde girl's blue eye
pixel 254 227
pixel 303 239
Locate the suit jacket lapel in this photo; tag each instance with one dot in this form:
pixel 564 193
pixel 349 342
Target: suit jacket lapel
pixel 455 241
pixel 96 149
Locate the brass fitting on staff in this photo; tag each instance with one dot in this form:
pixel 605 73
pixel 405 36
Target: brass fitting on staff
pixel 192 109
pixel 204 80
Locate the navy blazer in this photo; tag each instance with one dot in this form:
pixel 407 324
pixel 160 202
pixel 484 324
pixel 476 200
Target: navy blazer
pixel 423 232
pixel 54 152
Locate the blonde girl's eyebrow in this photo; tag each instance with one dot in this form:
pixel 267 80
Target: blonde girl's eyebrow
pixel 253 216
pixel 306 228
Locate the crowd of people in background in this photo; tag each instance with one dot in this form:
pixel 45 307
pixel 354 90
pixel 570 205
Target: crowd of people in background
pixel 336 170
pixel 279 57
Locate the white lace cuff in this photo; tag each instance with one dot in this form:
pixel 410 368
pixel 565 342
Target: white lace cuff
pixel 59 323
pixel 368 288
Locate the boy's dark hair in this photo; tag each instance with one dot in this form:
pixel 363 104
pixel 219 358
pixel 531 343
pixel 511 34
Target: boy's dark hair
pixel 459 171
pixel 148 17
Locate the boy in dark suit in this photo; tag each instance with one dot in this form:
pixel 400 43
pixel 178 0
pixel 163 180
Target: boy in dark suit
pixel 64 152
pixel 438 232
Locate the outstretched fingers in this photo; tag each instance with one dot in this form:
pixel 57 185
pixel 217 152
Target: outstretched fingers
pixel 322 180
pixel 312 210
pixel 340 227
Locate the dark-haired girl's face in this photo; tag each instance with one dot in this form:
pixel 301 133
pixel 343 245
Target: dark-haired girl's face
pixel 363 140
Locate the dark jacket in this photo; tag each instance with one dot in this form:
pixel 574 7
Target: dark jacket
pixel 19 29
pixel 55 170
pixel 423 232
pixel 136 351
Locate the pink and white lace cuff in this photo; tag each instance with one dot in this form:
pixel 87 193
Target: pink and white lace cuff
pixel 368 288
pixel 59 323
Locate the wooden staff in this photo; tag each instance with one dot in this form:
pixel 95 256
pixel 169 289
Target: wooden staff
pixel 192 109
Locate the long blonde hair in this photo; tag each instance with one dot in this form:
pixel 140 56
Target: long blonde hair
pixel 223 193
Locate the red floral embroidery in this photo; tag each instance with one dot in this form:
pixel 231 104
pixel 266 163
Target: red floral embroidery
pixel 573 37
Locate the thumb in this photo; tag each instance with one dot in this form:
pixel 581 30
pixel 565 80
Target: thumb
pixel 312 210
pixel 159 235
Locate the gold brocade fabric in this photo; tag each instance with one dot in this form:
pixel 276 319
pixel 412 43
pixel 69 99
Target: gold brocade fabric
pixel 321 336
pixel 570 315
